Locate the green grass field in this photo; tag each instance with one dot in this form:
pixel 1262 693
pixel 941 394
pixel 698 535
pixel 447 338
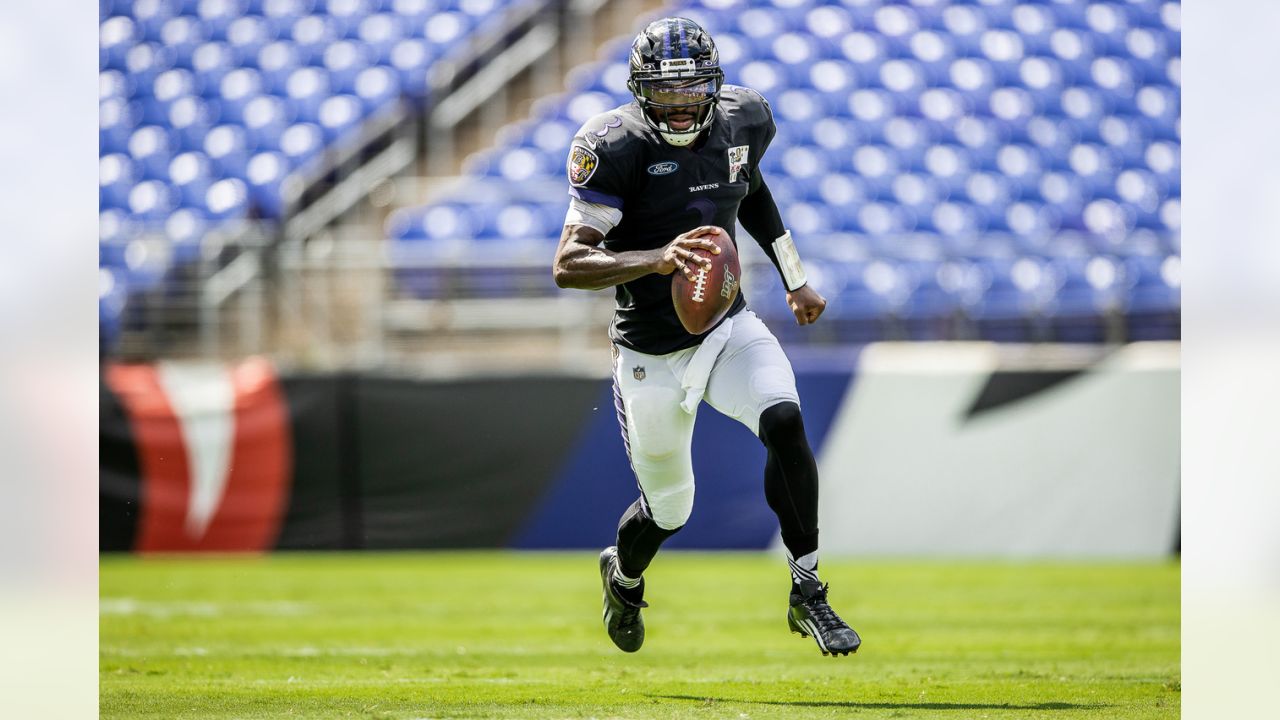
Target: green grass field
pixel 509 635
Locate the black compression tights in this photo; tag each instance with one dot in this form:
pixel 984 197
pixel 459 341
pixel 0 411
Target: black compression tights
pixel 790 477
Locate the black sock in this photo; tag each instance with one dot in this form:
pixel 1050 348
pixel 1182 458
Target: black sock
pixel 791 487
pixel 639 538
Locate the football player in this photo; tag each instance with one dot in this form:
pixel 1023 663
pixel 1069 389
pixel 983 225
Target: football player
pixel 650 181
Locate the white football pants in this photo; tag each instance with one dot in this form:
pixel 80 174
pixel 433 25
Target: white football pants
pixel 739 369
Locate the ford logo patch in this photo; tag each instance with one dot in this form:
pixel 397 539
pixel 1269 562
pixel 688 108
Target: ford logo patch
pixel 663 168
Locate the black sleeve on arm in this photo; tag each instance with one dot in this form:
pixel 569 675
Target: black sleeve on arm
pixel 759 216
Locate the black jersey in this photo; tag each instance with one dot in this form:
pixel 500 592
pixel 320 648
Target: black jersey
pixel 617 160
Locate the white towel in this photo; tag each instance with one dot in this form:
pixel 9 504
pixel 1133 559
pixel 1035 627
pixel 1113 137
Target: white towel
pixel 698 371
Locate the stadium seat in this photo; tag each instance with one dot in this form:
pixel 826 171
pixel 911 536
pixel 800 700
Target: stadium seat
pixel 312 34
pixel 116 177
pixel 380 33
pixel 339 115
pixel 307 89
pixel 276 62
pixel 235 91
pixel 116 36
pixel 246 36
pixel 182 35
pixel 411 58
pixel 186 229
pixel 211 62
pixel 227 200
pixel 301 143
pixel 217 15
pixel 1088 291
pixel 151 201
pixel 191 174
pixel 344 60
pixel 228 147
pixel 377 87
pixel 151 149
pixel 265 175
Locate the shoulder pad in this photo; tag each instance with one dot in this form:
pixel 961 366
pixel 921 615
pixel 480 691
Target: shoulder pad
pixel 609 132
pixel 750 104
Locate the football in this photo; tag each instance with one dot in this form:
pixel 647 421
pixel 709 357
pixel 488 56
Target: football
pixel 702 302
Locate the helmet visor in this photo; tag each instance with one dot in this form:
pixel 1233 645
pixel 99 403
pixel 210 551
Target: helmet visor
pixel 680 107
pixel 679 93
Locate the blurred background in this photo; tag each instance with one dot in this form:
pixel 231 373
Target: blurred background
pixel 327 319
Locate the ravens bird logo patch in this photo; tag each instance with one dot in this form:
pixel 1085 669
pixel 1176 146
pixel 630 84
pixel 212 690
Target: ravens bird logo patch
pixel 582 165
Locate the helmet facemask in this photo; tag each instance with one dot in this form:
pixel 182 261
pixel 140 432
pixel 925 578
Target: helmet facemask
pixel 678 109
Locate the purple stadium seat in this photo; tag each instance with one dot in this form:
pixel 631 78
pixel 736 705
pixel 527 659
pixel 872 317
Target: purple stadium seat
pixel 227 200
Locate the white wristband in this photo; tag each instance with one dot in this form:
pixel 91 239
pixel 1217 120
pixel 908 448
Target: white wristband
pixel 789 260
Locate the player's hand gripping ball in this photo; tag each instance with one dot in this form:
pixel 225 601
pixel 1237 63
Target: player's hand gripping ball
pixel 704 293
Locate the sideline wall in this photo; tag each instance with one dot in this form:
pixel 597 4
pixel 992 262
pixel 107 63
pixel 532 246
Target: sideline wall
pixel 924 449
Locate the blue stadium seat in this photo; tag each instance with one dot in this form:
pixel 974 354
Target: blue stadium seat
pixel 276 61
pixel 964 24
pixel 348 14
pixel 151 148
pixel 113 84
pixel 1009 305
pixel 211 62
pixel 150 15
pixel 1152 308
pixel 1164 158
pixel 445 30
pixel 1095 167
pixel 877 165
pixel 301 143
pixel 235 91
pixel 376 87
pixel 307 89
pixel 144 63
pixel 265 174
pixel 113 293
pixel 380 33
pixel 1161 106
pixel 1088 290
pixel 217 15
pixel 227 200
pixel 1064 192
pixel 415 12
pixel 151 200
pixel 312 34
pixel 974 79
pixel 265 120
pixel 116 123
pixel 897 24
pixel 186 229
pixel 181 36
pixel 116 35
pixel 344 60
pixel 191 174
pixel 116 177
pixel 1035 24
pixel 246 36
pixel 190 120
pixel 228 147
pixel 281 15
pixel 339 115
pixel 411 58
pixel 169 86
pixel 1108 23
pixel 1003 50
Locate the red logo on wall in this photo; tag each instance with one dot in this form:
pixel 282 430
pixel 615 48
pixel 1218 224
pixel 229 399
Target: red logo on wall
pixel 214 452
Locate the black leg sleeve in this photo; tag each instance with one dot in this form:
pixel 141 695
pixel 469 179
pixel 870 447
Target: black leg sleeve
pixel 639 538
pixel 790 477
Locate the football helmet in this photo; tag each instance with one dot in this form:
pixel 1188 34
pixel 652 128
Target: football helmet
pixel 676 78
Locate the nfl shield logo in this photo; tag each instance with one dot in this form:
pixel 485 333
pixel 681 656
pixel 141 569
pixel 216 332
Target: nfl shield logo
pixel 638 372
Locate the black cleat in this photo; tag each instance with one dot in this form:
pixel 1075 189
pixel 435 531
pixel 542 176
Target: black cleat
pixel 810 615
pixel 621 616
